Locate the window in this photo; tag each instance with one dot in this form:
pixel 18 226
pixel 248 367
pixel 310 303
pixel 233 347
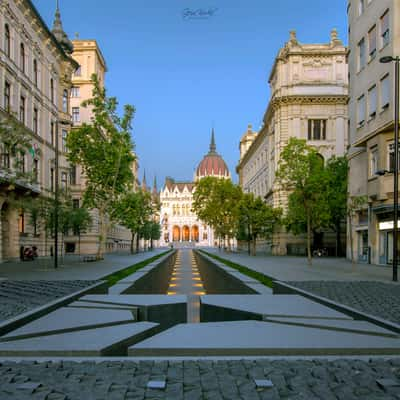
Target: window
pixel 385 29
pixel 361 110
pixel 361 54
pixel 52 90
pixel 361 6
pixel 75 91
pixel 5 157
pixel 72 176
pixel 21 222
pixel 35 120
pixel 52 133
pixel 385 92
pixel 35 72
pixel 316 129
pixel 65 101
pixel 7 96
pixel 22 56
pixel 372 102
pixel 64 140
pixel 22 109
pixel 76 114
pixel 51 179
pixel 373 162
pixel 7 40
pixel 372 42
pixel 75 203
pixel 391 157
pixel 78 71
pixel 35 169
pixel 64 179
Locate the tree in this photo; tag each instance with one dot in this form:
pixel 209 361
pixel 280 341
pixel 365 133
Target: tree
pixel 258 218
pixel 337 179
pixel 133 210
pixel 104 150
pixel 215 201
pixel 301 172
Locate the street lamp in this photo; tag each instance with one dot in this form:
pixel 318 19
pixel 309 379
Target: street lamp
pixel 56 192
pixel 396 60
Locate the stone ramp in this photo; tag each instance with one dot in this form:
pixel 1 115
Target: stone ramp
pixel 260 338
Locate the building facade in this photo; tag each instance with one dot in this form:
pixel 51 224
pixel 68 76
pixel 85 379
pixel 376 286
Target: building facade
pixel 309 92
pixel 91 61
pixel 179 224
pixel 374 33
pixel 35 71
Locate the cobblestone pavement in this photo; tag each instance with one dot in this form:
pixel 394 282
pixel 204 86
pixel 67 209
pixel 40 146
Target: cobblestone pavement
pixel 17 297
pixel 341 379
pixel 376 298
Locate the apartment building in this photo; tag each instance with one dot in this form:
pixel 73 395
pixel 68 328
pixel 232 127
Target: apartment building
pixel 374 32
pixel 35 71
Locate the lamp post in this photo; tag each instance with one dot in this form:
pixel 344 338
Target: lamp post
pixel 56 191
pixel 396 60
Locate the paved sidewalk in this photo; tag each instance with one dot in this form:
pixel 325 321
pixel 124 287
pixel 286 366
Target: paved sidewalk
pixel 342 379
pixel 72 269
pixel 287 268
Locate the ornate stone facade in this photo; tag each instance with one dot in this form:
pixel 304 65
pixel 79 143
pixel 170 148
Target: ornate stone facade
pixel 309 89
pixel 178 223
pixel 35 71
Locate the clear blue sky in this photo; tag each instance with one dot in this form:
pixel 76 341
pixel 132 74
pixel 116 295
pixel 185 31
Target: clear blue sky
pixel 185 75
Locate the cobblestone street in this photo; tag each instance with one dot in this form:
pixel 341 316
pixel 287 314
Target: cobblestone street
pixel 17 297
pixel 341 379
pixel 376 298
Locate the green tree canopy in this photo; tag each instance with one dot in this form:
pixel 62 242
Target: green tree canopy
pixel 104 149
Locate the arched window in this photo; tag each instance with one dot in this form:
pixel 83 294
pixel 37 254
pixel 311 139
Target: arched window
pixel 35 72
pixel 7 40
pixel 52 90
pixel 65 101
pixel 22 56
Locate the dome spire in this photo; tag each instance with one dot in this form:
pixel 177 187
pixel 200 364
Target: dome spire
pixel 59 33
pixel 213 147
pixel 144 184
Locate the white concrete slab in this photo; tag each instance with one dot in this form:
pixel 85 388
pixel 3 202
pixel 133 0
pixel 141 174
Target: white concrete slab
pixel 118 288
pixel 276 305
pixel 339 324
pixel 71 318
pixel 92 342
pixel 133 277
pixel 86 304
pixel 135 299
pixel 260 338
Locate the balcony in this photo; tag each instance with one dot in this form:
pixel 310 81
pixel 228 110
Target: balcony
pixel 9 182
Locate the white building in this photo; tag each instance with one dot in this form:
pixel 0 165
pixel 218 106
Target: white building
pixel 178 223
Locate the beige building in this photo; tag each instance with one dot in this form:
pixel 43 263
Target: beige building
pixel 374 32
pixel 35 71
pixel 88 55
pixel 179 224
pixel 309 92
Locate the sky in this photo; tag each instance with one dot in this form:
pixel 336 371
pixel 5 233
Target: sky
pixel 190 65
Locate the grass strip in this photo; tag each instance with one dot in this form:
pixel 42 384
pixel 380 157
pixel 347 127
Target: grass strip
pixel 113 278
pixel 264 279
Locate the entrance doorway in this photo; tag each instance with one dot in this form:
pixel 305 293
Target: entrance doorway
pixel 176 233
pixel 185 233
pixel 5 231
pixel 195 233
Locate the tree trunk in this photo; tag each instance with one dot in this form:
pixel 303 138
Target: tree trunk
pixel 102 234
pixel 254 246
pixel 353 264
pixel 132 241
pixel 338 242
pixel 137 243
pixel 79 244
pixel 309 259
